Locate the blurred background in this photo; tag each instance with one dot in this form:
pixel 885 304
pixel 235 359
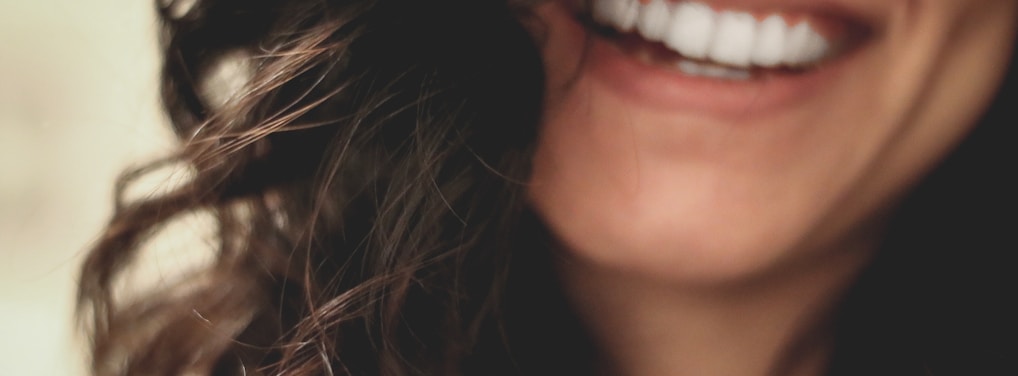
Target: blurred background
pixel 78 105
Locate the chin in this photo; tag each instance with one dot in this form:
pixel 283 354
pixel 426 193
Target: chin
pixel 687 226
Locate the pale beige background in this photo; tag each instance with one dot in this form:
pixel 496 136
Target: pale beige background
pixel 77 105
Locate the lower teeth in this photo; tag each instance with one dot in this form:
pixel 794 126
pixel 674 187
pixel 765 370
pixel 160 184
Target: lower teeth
pixel 690 67
pixel 652 53
pixel 694 68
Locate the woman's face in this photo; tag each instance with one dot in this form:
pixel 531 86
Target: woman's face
pixel 716 140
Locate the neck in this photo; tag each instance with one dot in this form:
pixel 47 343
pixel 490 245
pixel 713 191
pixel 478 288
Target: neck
pixel 776 324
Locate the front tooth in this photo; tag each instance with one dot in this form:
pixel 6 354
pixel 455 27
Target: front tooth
pixel 804 45
pixel 654 20
pixel 692 29
pixel 770 42
pixel 734 39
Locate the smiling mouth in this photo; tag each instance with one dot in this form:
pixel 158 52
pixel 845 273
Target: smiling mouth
pixel 699 40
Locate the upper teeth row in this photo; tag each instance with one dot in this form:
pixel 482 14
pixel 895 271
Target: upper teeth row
pixel 697 31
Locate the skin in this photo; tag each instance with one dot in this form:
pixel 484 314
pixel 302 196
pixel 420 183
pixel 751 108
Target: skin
pixel 688 232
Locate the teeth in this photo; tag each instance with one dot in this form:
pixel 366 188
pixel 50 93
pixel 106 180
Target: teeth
pixel 769 50
pixel 734 39
pixel 803 45
pixel 693 68
pixel 622 14
pixel 697 31
pixel 654 20
pixel 692 29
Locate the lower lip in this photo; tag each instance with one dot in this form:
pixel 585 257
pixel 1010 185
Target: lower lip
pixel 669 89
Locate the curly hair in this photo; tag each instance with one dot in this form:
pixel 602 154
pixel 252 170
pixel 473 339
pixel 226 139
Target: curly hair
pixel 367 182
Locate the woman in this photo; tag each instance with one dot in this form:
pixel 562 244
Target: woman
pixel 615 187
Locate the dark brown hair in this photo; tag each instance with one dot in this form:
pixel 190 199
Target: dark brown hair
pixel 367 186
pixel 366 183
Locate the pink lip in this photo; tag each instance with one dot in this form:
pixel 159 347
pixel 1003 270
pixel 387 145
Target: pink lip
pixel 667 89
